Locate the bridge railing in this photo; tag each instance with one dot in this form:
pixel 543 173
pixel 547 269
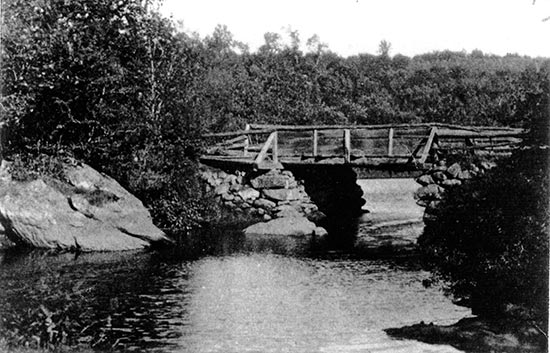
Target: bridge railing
pixel 267 145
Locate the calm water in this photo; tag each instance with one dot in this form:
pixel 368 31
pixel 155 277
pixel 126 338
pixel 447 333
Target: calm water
pixel 231 300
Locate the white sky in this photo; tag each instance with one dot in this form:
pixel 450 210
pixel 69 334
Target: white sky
pixel 357 26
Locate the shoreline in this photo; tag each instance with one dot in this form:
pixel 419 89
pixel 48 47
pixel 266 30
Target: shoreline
pixel 475 334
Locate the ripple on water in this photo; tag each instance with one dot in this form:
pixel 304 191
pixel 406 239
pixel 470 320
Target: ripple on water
pixel 242 302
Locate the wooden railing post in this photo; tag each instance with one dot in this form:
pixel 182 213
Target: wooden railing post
pixel 347 146
pixel 428 145
pixel 246 141
pixel 390 142
pixel 272 143
pixel 315 142
pixel 275 148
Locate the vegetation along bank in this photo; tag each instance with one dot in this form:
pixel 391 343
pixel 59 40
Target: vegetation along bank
pixel 117 87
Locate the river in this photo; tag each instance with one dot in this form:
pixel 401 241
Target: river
pixel 226 299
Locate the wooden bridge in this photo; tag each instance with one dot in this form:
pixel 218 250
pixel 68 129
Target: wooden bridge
pixel 392 147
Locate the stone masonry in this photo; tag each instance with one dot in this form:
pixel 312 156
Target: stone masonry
pixel 273 194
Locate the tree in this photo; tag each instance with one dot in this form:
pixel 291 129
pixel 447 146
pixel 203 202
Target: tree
pixel 384 48
pixel 110 83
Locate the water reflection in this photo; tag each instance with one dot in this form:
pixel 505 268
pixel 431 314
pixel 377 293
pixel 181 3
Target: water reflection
pixel 223 293
pixel 233 303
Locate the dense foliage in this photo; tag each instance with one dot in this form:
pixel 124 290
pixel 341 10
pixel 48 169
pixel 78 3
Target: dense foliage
pixel 490 240
pixel 114 84
pixel 110 83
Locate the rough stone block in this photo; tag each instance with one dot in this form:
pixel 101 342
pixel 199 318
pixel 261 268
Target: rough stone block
pixel 249 194
pixel 451 182
pixel 273 181
pixel 316 216
pixel 235 187
pixel 282 194
pixel 454 170
pixel 265 204
pixel 425 180
pixel 229 204
pixel 439 168
pixel 222 189
pixel 422 203
pixel 230 179
pixel 465 175
pixel 429 192
pixel 320 232
pixel 439 176
pixel 228 197
pixel 287 211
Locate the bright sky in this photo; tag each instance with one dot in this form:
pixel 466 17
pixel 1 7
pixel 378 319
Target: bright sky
pixel 357 26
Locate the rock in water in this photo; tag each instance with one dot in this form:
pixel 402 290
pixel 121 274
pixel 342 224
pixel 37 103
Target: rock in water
pixel 93 213
pixel 287 226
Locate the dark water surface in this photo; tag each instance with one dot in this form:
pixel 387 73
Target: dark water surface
pixel 231 300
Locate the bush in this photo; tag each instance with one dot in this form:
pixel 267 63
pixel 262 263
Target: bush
pixel 490 240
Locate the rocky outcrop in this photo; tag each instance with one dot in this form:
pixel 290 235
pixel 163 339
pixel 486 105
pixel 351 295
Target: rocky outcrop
pixel 275 198
pixel 89 212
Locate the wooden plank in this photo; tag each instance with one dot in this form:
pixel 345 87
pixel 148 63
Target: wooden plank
pixel 352 156
pixel 482 134
pixel 233 140
pixel 384 126
pixel 237 146
pixel 481 147
pixel 257 129
pixel 390 141
pixel 238 133
pixel 428 145
pixel 315 142
pixel 347 146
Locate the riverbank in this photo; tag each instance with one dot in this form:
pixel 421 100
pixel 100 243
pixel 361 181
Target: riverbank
pixel 479 335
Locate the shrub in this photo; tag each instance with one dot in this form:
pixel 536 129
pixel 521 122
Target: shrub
pixel 490 240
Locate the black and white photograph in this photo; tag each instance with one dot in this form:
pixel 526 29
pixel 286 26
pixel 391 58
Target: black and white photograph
pixel 259 176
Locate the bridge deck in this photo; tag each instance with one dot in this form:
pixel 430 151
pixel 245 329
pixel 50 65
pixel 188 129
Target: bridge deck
pixel 406 147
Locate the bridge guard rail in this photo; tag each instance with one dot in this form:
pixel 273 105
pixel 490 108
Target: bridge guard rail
pixel 267 146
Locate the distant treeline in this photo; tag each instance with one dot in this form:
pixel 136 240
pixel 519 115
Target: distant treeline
pixel 116 85
pixel 281 84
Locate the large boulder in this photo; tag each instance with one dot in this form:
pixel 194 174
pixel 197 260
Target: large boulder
pixel 288 226
pixel 91 212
